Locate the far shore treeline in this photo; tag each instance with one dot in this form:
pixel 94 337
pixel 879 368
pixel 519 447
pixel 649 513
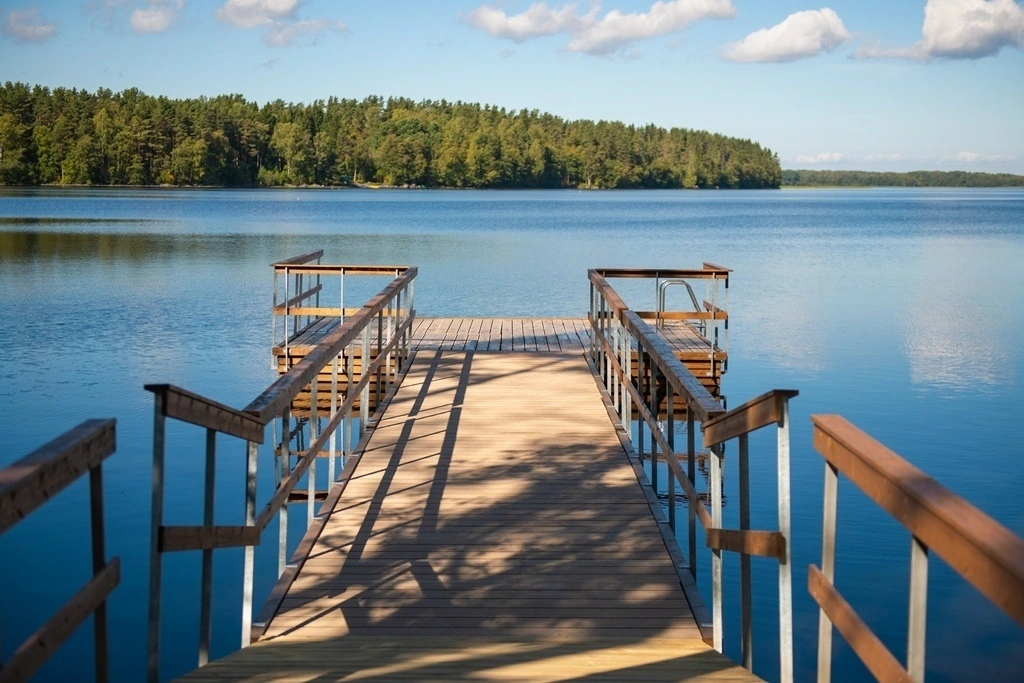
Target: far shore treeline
pixel 802 178
pixel 75 137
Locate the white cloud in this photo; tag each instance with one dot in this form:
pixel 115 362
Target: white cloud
pixel 976 157
pixel 886 158
pixel 960 29
pixel 278 17
pixel 800 35
pixel 598 36
pixel 157 17
pixel 616 29
pixel 28 25
pixel 537 20
pixel 821 158
pixel 252 13
pixel 283 33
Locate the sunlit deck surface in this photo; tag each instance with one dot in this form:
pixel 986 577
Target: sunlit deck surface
pixel 494 529
pixel 524 334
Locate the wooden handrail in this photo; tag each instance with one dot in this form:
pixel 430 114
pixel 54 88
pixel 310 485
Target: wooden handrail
pixel 43 473
pixel 280 394
pixel 198 410
pixel 299 260
pixel 682 380
pixel 704 405
pixel 758 412
pixel 648 273
pixel 24 486
pixel 333 269
pixel 985 553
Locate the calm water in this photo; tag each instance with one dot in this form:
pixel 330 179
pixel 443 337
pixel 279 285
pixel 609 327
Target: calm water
pixel 901 309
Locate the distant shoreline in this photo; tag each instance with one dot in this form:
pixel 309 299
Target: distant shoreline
pixel 864 179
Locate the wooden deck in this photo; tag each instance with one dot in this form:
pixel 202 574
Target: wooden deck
pixel 492 530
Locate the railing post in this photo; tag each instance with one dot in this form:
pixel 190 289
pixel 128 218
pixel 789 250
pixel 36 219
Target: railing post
pixel 670 419
pixel 364 398
pixel 715 459
pixel 285 467
pixel 918 609
pixel 206 589
pixel 653 398
pixel 691 474
pixel 828 568
pixel 252 451
pixel 747 646
pixel 346 437
pixel 333 446
pixel 287 294
pixel 641 369
pixel 314 432
pixel 786 563
pixel 98 563
pixel 155 556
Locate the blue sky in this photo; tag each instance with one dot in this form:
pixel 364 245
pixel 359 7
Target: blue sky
pixel 894 85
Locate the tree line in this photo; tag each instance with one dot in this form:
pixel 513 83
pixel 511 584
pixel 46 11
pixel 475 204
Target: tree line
pixel 801 178
pixel 76 137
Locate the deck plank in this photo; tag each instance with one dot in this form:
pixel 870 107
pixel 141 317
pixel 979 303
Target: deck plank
pixel 493 530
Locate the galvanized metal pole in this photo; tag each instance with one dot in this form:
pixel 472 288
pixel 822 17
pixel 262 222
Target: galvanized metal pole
pixel 98 563
pixel 786 565
pixel 314 432
pixel 828 564
pixel 206 590
pixel 155 556
pixel 918 609
pixel 641 369
pixel 654 442
pixel 252 451
pixel 691 474
pixel 364 399
pixel 285 468
pixel 670 417
pixel 715 459
pixel 746 647
pixel 334 432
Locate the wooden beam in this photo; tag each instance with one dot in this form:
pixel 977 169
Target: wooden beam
pixel 985 553
pixel 40 475
pixel 746 542
pixel 279 395
pixel 41 645
pixel 299 260
pixel 876 657
pixel 178 538
pixel 758 412
pixel 651 273
pixel 198 410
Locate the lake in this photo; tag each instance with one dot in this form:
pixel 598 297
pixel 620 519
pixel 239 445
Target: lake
pixel 901 309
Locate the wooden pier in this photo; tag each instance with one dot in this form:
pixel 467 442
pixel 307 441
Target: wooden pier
pixel 478 540
pixel 484 500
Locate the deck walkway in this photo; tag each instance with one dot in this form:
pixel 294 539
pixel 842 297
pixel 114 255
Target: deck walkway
pixel 493 530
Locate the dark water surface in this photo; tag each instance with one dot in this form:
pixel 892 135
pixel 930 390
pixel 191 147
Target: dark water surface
pixel 901 309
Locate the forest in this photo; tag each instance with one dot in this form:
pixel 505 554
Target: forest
pixel 66 136
pixel 911 179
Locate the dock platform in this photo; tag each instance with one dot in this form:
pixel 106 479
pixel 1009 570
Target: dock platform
pixel 478 540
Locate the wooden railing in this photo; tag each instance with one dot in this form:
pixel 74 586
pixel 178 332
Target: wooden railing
pixel 979 549
pixel 32 481
pixel 771 408
pixel 299 290
pixel 709 314
pixel 620 335
pixel 300 411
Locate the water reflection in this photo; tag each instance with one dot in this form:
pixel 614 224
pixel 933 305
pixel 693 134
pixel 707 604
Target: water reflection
pixel 958 334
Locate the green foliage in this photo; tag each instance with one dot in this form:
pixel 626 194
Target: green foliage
pixel 911 179
pixel 73 136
